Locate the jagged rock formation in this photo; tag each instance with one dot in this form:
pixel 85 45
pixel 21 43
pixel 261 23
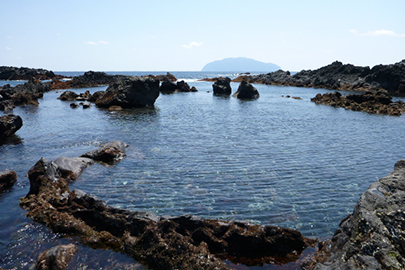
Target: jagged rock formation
pixel 222 86
pixel 246 91
pixel 373 236
pixel 24 73
pixel 338 76
pixel 9 124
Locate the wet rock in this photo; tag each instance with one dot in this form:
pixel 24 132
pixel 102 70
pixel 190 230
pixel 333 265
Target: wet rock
pixel 159 242
pixel 373 236
pixel 222 86
pixel 9 124
pixel 6 105
pixel 68 96
pixel 71 168
pixel 168 87
pixel 84 96
pixel 108 152
pixel 96 95
pixel 7 179
pixel 378 102
pixel 56 258
pixel 131 92
pixel 246 91
pixel 193 89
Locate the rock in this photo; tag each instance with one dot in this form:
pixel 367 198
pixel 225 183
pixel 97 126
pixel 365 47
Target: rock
pixel 193 89
pixel 339 76
pixel 378 102
pixel 6 105
pixel 168 87
pixel 27 93
pixel 9 124
pixel 222 86
pixel 74 105
pixel 23 73
pixel 182 86
pixel 68 96
pixel 108 152
pixel 92 79
pixel 71 168
pixel 131 92
pixel 185 242
pixel 115 108
pixel 167 77
pixel 86 105
pixel 84 96
pixel 56 258
pixel 246 91
pixel 7 179
pixel 373 236
pixel 96 95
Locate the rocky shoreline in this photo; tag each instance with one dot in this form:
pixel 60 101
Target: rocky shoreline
pixel 339 76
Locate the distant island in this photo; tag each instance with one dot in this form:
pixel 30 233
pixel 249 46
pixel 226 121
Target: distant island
pixel 240 64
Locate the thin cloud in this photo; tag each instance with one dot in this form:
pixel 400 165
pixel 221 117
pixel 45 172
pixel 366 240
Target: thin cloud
pixel 103 42
pixel 192 45
pixel 9 49
pixel 377 33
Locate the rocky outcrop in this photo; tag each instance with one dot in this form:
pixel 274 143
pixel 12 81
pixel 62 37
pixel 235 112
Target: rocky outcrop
pixel 23 73
pixel 109 152
pixel 159 242
pixel 378 102
pixel 68 96
pixel 7 179
pixel 168 87
pixel 131 92
pixel 339 76
pixel 373 236
pixel 246 91
pixel 167 77
pixel 222 86
pixel 9 124
pixel 56 258
pixel 24 94
pixel 182 86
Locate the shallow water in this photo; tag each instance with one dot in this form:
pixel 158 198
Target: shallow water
pixel 274 161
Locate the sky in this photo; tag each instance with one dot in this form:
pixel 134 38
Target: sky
pixel 156 35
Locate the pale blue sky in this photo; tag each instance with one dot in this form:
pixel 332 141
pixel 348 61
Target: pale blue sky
pixel 153 35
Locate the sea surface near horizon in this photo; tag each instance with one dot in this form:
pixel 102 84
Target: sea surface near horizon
pixel 273 161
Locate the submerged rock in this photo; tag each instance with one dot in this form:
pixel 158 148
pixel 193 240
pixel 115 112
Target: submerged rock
pixel 222 86
pixel 108 152
pixel 7 179
pixel 159 242
pixel 131 92
pixel 56 258
pixel 9 124
pixel 246 91
pixel 373 236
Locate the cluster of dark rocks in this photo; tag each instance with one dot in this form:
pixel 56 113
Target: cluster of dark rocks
pixel 159 242
pixel 24 73
pixel 168 87
pixel 9 124
pixel 376 102
pixel 222 87
pixel 339 76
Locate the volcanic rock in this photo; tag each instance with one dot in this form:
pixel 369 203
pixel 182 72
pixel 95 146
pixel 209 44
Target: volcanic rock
pixel 68 96
pixel 56 258
pixel 9 124
pixel 246 91
pixel 131 92
pixel 182 86
pixel 373 236
pixel 222 86
pixel 7 179
pixel 71 168
pixel 27 93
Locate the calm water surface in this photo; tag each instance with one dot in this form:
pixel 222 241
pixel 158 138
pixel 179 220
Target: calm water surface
pixel 274 161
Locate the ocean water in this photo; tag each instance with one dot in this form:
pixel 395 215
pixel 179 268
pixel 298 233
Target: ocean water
pixel 273 161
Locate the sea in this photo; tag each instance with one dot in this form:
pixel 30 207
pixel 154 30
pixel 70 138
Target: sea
pixel 274 161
